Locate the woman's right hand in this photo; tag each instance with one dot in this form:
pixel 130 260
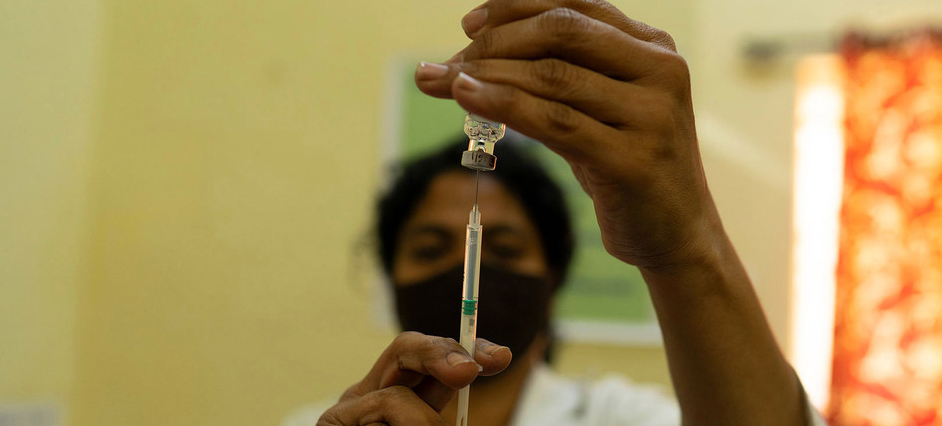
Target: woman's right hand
pixel 609 94
pixel 413 380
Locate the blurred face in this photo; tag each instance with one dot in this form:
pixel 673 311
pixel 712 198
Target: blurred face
pixel 433 239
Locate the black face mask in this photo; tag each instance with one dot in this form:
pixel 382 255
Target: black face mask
pixel 513 308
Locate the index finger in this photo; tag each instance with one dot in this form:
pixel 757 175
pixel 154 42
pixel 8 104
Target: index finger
pixel 494 13
pixel 412 357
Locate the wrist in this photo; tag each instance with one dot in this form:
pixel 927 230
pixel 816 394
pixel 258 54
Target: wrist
pixel 708 273
pixel 706 248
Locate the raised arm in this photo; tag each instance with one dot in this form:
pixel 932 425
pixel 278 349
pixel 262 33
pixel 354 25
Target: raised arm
pixel 612 96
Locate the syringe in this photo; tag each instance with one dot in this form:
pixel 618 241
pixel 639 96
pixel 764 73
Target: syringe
pixel 482 135
pixel 469 298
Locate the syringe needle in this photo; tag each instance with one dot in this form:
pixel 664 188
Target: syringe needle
pixel 477 178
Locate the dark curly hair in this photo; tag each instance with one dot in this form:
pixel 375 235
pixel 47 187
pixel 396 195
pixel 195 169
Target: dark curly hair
pixel 519 172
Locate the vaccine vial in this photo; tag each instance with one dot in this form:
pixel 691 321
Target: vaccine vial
pixel 482 135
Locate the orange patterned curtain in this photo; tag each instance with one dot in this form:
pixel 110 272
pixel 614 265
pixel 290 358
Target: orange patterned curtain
pixel 887 367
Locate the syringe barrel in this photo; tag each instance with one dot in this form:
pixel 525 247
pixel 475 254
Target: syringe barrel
pixel 469 291
pixel 468 332
pixel 472 256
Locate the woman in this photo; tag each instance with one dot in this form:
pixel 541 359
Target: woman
pixel 612 97
pixel 526 251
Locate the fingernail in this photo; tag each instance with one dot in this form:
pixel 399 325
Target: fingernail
pixel 430 71
pixel 468 83
pixel 492 349
pixel 456 358
pixel 474 21
pixel 480 368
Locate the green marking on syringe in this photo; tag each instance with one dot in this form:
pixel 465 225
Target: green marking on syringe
pixel 469 306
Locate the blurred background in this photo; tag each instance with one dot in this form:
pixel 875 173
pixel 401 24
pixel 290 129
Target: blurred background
pixel 185 187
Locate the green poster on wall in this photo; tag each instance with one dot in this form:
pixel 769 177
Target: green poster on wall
pixel 603 299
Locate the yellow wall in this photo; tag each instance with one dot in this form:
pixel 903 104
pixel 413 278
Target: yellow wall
pixel 46 112
pixel 196 214
pixel 237 162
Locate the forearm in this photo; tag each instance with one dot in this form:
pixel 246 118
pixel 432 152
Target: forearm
pixel 725 364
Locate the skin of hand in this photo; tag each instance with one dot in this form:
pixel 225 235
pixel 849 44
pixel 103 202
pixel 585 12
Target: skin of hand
pixel 413 380
pixel 612 96
pixel 607 93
